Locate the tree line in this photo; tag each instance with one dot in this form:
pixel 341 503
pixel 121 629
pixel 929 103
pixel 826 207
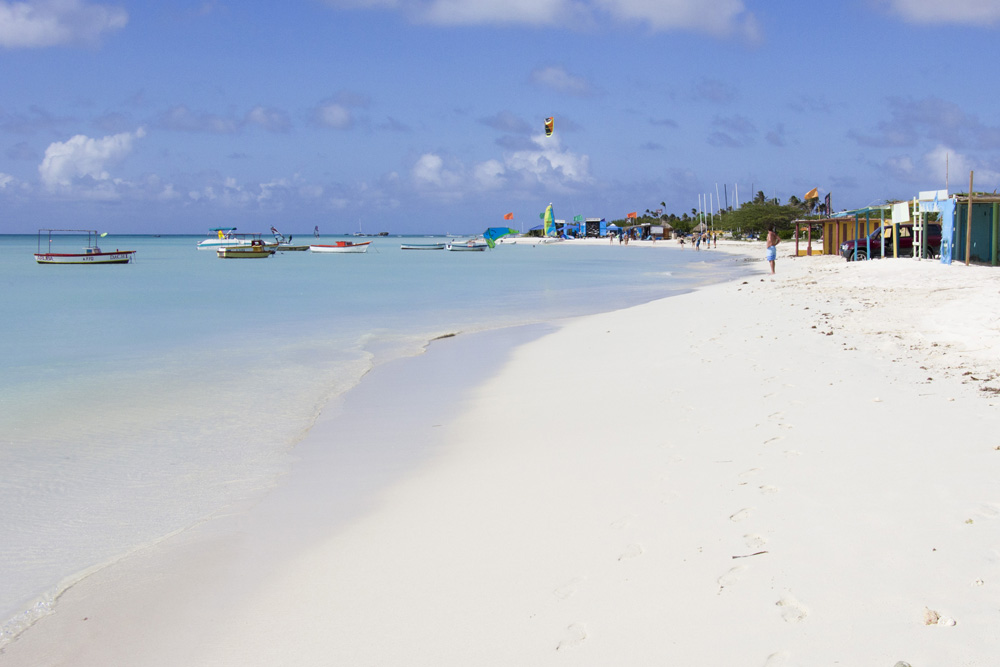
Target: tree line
pixel 756 215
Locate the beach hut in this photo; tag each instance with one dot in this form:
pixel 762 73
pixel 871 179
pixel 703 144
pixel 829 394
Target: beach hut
pixel 970 226
pixel 809 226
pixel 595 227
pixel 833 231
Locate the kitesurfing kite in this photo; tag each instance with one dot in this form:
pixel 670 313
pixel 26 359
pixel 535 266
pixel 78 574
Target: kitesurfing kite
pixel 493 233
pixel 549 125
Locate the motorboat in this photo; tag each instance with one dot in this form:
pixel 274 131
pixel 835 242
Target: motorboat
pixel 256 250
pixel 470 245
pixel 226 237
pixel 342 247
pixel 91 254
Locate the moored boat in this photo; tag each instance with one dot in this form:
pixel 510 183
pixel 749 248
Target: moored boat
pixel 342 247
pixel 256 250
pixel 226 237
pixel 422 246
pixel 282 244
pixel 91 254
pixel 469 245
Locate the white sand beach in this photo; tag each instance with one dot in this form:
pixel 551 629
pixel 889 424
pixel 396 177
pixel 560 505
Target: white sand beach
pixel 799 469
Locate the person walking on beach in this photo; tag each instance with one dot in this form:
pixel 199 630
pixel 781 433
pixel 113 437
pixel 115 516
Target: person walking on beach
pixel 772 246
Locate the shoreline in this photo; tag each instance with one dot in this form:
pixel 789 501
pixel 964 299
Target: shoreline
pixel 146 423
pixel 592 502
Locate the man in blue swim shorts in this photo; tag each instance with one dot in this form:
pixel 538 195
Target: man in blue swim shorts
pixel 772 246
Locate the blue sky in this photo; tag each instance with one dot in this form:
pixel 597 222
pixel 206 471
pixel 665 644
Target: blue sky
pixel 424 116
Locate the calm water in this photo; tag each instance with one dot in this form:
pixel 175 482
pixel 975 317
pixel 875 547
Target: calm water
pixel 137 400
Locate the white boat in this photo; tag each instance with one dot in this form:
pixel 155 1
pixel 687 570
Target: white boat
pixel 422 246
pixel 469 245
pixel 226 237
pixel 91 254
pixel 342 247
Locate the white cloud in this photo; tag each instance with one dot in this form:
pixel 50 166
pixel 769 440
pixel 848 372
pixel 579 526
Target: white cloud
pixel 489 174
pixel 82 157
pixel 5 180
pixel 558 79
pixel 476 12
pixel 269 119
pixel 547 166
pixel 42 23
pixel 943 162
pixel 550 164
pixel 718 17
pixel 429 173
pixel 184 119
pixel 972 12
pixel 334 115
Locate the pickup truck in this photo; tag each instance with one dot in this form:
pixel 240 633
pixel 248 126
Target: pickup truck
pixel 858 249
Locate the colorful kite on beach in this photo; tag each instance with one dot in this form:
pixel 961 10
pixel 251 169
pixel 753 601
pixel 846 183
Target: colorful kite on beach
pixel 550 125
pixel 493 233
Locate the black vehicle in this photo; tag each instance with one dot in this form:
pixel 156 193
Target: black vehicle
pixel 859 249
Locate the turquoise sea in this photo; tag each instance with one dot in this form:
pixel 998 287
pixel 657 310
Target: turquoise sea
pixel 137 400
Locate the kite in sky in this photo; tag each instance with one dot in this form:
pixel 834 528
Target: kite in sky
pixel 549 125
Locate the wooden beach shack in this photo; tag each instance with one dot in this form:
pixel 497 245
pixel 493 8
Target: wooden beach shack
pixel 835 230
pixel 970 227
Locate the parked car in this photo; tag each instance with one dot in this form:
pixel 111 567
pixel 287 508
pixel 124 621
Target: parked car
pixel 857 249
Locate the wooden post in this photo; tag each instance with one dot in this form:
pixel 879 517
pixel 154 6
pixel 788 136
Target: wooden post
pixel 968 226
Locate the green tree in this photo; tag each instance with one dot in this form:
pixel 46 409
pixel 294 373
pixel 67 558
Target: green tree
pixel 758 216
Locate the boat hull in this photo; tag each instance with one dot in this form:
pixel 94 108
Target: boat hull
pixel 215 244
pixel 117 257
pixel 245 252
pixel 342 247
pixel 467 247
pixel 422 246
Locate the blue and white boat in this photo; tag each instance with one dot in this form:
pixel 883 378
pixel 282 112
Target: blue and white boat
pixel 226 237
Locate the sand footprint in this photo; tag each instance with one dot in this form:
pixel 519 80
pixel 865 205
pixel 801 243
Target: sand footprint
pixel 622 522
pixel 775 659
pixel 741 515
pixel 791 610
pixel 631 551
pixel 989 510
pixel 749 473
pixel 768 489
pixel 567 589
pixel 575 634
pixel 754 541
pixel 731 577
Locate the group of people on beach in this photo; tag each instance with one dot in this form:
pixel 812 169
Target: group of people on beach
pixel 710 240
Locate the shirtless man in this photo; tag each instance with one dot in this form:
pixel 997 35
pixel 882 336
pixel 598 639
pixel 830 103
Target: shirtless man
pixel 772 246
